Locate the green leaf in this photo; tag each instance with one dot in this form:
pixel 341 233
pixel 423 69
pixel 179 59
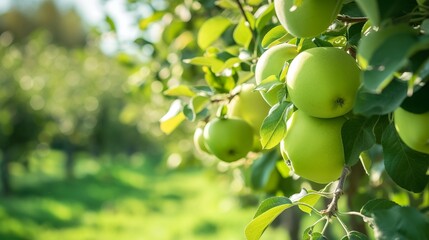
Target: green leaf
pixel 406 167
pixel 425 26
pixel 308 197
pixel 273 128
pixel 196 105
pixel 262 169
pixel 268 83
pixel 173 118
pixel 369 103
pixel 370 9
pixel 265 17
pixel 273 36
pixel 400 223
pixel 180 90
pixel 266 213
pixel 353 235
pixel 211 62
pixel 222 84
pixel 387 59
pixel 211 30
pixel 358 135
pixel 308 234
pixel 229 64
pixel 111 23
pixel 145 22
pixel 242 34
pixel 366 161
pixel 283 169
pixel 376 204
pixel 321 43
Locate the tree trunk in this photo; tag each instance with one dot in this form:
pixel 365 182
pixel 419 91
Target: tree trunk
pixel 5 175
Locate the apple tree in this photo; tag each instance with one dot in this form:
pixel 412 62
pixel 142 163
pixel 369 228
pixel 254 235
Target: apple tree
pixel 323 105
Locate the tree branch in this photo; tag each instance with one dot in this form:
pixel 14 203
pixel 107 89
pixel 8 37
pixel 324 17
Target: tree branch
pixel 349 19
pixel 332 208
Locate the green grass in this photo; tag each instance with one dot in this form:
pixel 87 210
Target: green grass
pixel 122 200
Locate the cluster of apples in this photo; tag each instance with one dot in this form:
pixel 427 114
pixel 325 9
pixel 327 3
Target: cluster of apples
pixel 233 136
pixel 322 84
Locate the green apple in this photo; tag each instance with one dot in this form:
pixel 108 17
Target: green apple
pixel 314 147
pixel 413 129
pixel 199 142
pixel 323 82
pixel 310 18
pixel 229 139
pixel 251 107
pixel 271 63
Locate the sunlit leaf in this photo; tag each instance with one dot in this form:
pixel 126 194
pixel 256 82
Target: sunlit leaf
pixel 308 197
pixel 197 104
pixel 283 169
pixel 274 35
pixel 273 128
pixel 173 118
pixel 211 62
pixel 366 161
pixel 145 22
pixel 242 34
pixel 211 31
pixel 266 16
pixel 180 90
pixel 111 23
pixel 268 210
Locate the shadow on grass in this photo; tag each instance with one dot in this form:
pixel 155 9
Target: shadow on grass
pixel 61 203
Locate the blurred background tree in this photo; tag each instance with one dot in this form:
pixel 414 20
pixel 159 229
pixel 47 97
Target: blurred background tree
pixel 60 91
pixel 82 155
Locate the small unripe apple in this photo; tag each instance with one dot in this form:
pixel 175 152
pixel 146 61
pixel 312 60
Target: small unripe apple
pixel 251 107
pixel 310 18
pixel 413 129
pixel 314 147
pixel 229 139
pixel 270 63
pixel 323 82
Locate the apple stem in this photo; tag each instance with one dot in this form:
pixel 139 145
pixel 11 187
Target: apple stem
pixel 332 208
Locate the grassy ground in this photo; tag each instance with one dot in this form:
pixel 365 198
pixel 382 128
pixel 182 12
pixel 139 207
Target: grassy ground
pixel 121 200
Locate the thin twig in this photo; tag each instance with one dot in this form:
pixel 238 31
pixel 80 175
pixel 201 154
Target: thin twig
pixel 349 19
pixel 332 208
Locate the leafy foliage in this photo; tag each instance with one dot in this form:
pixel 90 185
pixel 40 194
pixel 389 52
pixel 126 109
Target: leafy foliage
pixel 216 50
